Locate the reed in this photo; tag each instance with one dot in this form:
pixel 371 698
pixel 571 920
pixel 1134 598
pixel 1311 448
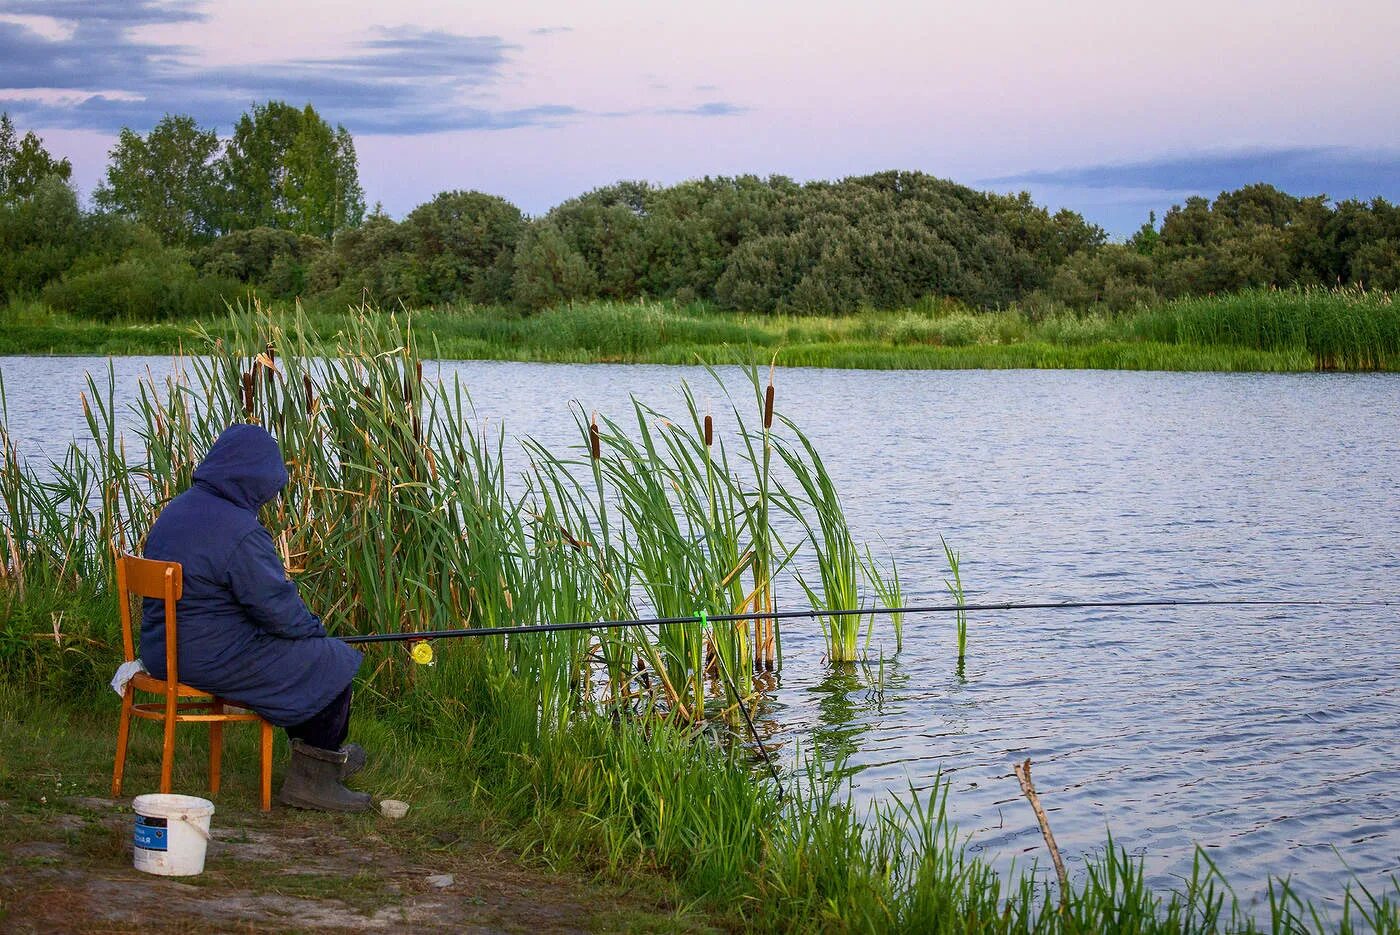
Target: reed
pixel 1340 329
pixel 402 514
pixel 955 588
pixel 843 577
pixel 1263 330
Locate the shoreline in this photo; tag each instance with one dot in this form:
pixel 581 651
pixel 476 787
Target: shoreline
pixel 166 340
pixel 1263 332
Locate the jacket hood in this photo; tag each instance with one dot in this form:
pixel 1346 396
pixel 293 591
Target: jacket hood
pixel 244 467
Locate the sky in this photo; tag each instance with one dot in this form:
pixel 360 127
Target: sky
pixel 1113 109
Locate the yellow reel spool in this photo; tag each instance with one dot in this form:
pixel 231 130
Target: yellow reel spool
pixel 422 653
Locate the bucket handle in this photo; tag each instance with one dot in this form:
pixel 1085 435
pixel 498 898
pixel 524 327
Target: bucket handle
pixel 195 826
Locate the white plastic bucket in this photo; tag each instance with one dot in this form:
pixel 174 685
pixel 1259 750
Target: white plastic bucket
pixel 171 834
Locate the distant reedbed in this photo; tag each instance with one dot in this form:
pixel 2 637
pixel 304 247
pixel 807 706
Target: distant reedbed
pixel 1278 330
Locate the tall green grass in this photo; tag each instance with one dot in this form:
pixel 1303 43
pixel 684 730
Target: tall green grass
pixel 1347 329
pixel 1263 330
pixel 817 508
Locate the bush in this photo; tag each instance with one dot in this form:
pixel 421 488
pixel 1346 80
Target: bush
pixel 40 236
pixel 274 259
pixel 373 262
pixel 1114 277
pixel 158 287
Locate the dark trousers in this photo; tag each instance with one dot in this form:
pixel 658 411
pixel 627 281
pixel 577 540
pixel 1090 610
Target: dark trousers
pixel 328 727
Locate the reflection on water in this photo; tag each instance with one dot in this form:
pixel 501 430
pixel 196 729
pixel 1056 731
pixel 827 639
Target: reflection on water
pixel 1266 735
pixel 837 703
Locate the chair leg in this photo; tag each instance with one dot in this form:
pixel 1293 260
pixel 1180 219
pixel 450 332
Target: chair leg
pixel 266 745
pixel 216 746
pixel 167 757
pixel 123 733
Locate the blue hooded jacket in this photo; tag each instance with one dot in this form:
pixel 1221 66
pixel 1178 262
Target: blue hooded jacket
pixel 244 633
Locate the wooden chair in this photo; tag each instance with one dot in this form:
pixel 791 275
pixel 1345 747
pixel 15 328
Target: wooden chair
pixel 146 578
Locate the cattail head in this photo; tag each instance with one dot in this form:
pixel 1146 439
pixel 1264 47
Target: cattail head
pixel 709 431
pixel 768 407
pixel 310 393
pixel 595 440
pixel 248 394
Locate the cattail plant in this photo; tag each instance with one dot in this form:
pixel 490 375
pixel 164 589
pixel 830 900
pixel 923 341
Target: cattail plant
pixel 399 515
pixel 838 560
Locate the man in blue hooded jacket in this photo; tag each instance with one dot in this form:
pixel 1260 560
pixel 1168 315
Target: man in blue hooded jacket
pixel 244 633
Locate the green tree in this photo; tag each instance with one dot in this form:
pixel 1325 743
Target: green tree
pixel 287 168
pixel 24 163
pixel 605 227
pixel 374 262
pixel 465 246
pixel 1117 277
pixel 694 228
pixel 165 180
pixel 40 236
pixel 1145 239
pixel 548 270
pixel 1253 236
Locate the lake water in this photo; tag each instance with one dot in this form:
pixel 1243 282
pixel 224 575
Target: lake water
pixel 1269 736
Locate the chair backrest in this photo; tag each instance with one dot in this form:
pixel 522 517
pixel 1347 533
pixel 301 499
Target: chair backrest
pixel 144 577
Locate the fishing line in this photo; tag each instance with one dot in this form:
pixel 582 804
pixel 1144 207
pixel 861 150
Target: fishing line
pixel 412 636
pixel 705 619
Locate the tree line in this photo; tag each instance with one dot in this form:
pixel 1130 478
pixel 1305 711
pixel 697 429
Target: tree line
pixel 184 220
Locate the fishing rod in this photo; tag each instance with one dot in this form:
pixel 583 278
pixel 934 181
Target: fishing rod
pixel 753 732
pixel 704 618
pixel 416 636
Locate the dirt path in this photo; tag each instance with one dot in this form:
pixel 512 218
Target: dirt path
pixel 69 869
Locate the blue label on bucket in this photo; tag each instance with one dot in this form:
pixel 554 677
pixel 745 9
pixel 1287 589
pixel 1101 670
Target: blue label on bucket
pixel 151 834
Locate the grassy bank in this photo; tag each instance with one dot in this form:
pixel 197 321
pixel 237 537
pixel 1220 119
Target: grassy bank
pixel 1284 331
pixel 616 752
pixel 676 835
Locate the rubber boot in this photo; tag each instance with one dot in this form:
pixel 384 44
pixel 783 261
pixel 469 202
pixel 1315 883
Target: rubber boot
pixel 313 781
pixel 354 760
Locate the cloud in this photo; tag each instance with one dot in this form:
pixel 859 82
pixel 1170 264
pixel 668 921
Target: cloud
pixel 405 52
pixel 400 81
pixel 1334 171
pixel 707 109
pixel 125 12
pixel 88 58
pixel 95 73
